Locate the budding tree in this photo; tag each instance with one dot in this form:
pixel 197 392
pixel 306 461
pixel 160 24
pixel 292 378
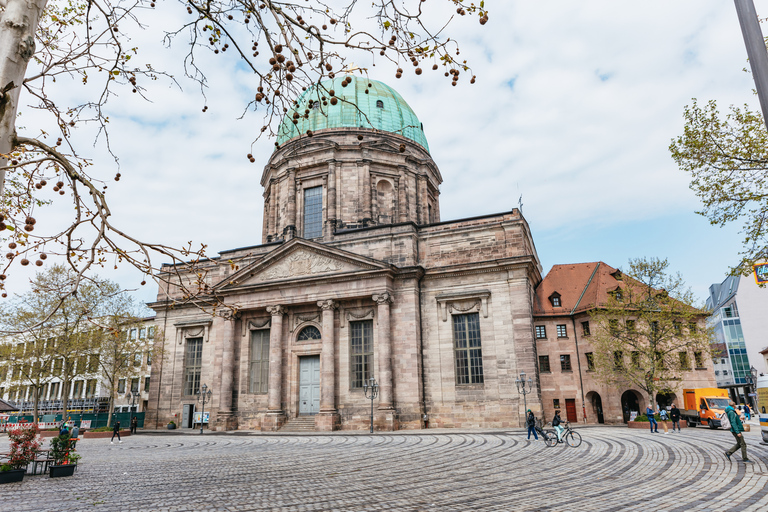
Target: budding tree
pixel 288 47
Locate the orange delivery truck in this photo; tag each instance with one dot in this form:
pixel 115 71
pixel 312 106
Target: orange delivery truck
pixel 703 406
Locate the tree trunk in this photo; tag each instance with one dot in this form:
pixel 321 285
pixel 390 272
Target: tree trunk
pixel 18 24
pixel 36 404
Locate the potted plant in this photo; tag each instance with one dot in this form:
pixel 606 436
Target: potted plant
pixel 63 455
pixel 171 425
pixel 24 446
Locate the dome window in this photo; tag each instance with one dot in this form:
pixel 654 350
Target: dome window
pixel 379 104
pixel 309 333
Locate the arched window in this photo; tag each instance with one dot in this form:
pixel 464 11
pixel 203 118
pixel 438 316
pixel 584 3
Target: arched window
pixel 310 332
pixel 379 104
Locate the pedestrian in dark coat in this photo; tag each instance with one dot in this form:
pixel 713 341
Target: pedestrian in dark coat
pixel 134 424
pixel 674 415
pixel 737 429
pixel 531 422
pixel 116 432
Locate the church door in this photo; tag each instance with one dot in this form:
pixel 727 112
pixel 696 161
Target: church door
pixel 309 385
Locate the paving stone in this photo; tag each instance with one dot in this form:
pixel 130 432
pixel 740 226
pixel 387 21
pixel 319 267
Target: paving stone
pixel 614 469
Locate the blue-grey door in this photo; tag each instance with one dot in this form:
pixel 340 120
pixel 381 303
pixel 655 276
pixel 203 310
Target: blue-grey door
pixel 309 385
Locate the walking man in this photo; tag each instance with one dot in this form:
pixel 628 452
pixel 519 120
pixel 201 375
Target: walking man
pixel 116 432
pixel 531 422
pixel 674 415
pixel 737 429
pixel 651 420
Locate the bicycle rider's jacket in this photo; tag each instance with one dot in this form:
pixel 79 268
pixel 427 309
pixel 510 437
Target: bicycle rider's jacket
pixel 556 421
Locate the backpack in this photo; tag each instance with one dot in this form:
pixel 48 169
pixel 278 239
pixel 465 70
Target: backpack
pixel 663 415
pixel 724 421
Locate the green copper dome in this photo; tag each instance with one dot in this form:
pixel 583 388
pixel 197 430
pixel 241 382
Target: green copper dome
pixel 382 108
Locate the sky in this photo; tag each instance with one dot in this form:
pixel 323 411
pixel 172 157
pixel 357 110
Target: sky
pixel 572 114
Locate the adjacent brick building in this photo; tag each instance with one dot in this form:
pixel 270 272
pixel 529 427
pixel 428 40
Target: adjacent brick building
pixel 563 326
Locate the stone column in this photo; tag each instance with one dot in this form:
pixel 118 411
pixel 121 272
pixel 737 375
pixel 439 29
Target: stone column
pixel 290 228
pixel 331 196
pixel 383 300
pixel 225 329
pixel 275 417
pixel 328 419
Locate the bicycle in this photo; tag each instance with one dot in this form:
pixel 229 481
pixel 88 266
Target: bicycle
pixel 569 436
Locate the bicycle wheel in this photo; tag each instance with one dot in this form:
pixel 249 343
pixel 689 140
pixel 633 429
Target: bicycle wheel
pixel 550 439
pixel 573 439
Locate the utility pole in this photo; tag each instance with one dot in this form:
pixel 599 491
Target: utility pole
pixel 758 56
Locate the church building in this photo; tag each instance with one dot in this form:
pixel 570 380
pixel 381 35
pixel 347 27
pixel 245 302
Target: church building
pixel 357 277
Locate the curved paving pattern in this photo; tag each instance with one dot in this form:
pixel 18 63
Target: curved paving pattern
pixel 613 469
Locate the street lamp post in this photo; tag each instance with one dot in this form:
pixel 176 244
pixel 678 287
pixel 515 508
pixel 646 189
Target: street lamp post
pixel 521 384
pixel 203 395
pixel 371 390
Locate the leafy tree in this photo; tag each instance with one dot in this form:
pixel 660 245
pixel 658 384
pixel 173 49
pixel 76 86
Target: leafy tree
pixel 288 47
pixel 60 334
pixel 648 331
pixel 727 158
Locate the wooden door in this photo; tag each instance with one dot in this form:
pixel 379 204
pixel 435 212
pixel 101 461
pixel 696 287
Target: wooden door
pixel 570 409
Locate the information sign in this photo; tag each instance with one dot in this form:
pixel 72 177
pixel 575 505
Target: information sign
pixel 761 273
pixel 205 417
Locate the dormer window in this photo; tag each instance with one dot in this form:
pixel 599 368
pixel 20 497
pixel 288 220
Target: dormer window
pixel 379 104
pixel 617 275
pixel 618 294
pixel 555 300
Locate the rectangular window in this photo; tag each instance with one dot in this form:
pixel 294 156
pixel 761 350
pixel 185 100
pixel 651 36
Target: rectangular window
pixel 630 325
pixel 556 403
pixel 313 212
pixel 90 388
pixel 259 361
pixel 654 327
pixel 590 361
pixel 55 390
pixel 142 333
pixel 678 328
pixel 135 385
pixel 468 353
pixel 151 332
pixel 82 364
pixel 562 331
pixel 544 364
pixel 692 328
pixel 137 359
pixel 565 363
pixel 149 358
pixel 360 352
pixel 613 326
pixel 699 358
pixel 541 332
pixel 121 386
pixel 193 362
pixel 585 328
pixel 146 384
pixel 635 359
pixel 78 392
pixel 685 362
pixel 132 334
pixel 93 363
pixel 618 359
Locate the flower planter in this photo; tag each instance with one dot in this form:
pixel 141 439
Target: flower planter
pixel 171 427
pixel 14 475
pixel 64 470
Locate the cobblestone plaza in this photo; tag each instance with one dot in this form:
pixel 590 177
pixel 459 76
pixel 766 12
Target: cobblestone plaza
pixel 613 469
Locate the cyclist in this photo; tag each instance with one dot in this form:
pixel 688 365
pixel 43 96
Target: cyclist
pixel 556 425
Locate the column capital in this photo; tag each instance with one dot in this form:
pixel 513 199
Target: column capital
pixel 382 298
pixel 276 310
pixel 327 304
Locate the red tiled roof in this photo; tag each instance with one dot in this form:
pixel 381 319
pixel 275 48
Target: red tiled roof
pixel 580 285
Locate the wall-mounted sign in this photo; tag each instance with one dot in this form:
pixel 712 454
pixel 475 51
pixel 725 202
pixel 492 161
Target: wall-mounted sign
pixel 205 416
pixel 761 273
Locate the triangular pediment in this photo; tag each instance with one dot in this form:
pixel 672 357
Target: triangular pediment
pixel 301 259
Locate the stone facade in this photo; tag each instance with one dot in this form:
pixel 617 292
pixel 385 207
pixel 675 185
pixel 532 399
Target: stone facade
pixel 439 313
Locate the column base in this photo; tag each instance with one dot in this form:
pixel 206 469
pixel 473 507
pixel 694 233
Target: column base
pixel 273 421
pixel 225 421
pixel 386 420
pixel 327 421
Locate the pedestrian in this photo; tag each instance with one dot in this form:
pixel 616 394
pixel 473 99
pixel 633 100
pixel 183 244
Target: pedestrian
pixel 737 429
pixel 63 431
pixel 747 412
pixel 116 432
pixel 556 425
pixel 531 422
pixel 663 418
pixel 75 432
pixel 674 415
pixel 134 424
pixel 651 420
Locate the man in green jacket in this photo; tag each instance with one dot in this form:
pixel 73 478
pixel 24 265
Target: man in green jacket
pixel 737 429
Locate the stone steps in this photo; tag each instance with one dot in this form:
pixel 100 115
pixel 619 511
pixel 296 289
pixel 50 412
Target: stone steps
pixel 299 424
